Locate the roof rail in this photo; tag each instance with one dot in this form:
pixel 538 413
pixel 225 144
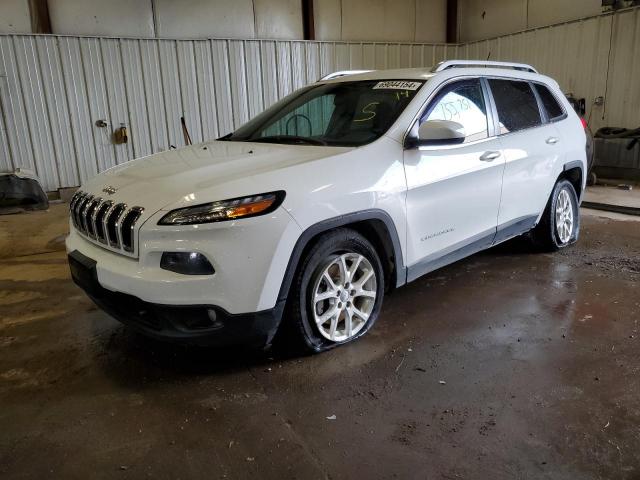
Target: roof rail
pixel 343 73
pixel 482 63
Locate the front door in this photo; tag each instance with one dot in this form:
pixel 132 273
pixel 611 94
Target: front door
pixel 453 192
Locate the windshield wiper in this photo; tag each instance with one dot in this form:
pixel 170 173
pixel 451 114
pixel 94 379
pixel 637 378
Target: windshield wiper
pixel 289 139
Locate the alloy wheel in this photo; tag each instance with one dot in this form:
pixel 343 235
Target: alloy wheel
pixel 344 295
pixel 564 216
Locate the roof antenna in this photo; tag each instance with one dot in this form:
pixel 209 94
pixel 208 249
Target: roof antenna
pixel 489 56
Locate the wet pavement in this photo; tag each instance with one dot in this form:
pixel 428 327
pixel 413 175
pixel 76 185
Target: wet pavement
pixel 505 365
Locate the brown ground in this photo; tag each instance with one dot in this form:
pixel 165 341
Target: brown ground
pixel 505 365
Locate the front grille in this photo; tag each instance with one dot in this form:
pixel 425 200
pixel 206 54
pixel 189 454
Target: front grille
pixel 104 221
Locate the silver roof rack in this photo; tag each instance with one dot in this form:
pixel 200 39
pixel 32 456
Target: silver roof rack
pixel 343 73
pixel 482 63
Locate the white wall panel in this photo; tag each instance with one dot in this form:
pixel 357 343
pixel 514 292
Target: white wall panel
pixel 15 16
pixel 16 127
pixel 220 55
pixel 576 54
pixel 80 118
pixel 114 18
pixel 136 98
pixel 281 19
pixel 478 19
pixel 204 18
pixel 98 102
pixel 623 107
pixel 5 155
pixel 255 90
pixel 37 114
pixel 189 89
pixel 206 90
pixel 57 106
pixel 154 97
pixel 116 89
pixel 283 65
pixel 171 91
pixel 238 81
pixel 269 72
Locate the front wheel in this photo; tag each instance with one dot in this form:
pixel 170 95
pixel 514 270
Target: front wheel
pixel 337 292
pixel 559 226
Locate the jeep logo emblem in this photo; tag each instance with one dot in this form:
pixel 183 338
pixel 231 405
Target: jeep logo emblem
pixel 109 190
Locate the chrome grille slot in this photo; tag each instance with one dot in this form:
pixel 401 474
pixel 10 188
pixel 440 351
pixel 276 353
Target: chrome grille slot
pixel 72 205
pixel 84 208
pixel 98 220
pixel 104 221
pixel 128 223
pixel 78 208
pixel 89 220
pixel 113 234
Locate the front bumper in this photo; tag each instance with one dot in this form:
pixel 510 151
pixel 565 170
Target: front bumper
pixel 208 325
pixel 249 256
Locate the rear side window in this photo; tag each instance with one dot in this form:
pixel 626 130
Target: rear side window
pixel 551 105
pixel 516 104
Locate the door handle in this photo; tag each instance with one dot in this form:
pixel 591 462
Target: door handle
pixel 552 140
pixel 489 156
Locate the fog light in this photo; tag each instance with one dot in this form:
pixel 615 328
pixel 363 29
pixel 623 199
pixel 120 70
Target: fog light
pixel 213 316
pixel 186 263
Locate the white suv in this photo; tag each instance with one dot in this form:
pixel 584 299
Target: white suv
pixel 302 219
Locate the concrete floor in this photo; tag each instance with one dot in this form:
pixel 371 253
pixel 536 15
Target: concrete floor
pixel 505 365
pixel 611 195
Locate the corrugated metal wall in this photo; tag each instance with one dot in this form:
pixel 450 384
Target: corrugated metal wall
pixel 577 55
pixel 53 89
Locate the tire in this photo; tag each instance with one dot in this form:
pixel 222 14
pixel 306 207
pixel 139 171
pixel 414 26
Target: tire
pixel 303 328
pixel 559 226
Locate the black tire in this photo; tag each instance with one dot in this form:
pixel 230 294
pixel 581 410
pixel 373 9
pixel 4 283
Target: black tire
pixel 299 332
pixel 545 236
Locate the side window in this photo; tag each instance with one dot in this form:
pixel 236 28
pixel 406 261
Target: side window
pixel 516 104
pixel 551 105
pixel 461 102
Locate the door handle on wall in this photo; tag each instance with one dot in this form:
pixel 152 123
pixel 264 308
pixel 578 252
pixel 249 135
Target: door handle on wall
pixel 552 140
pixel 489 156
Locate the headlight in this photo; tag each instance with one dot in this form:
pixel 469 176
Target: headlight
pixel 243 207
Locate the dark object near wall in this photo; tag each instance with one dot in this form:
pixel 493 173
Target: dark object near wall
pixel 578 104
pixel 618 153
pixel 19 193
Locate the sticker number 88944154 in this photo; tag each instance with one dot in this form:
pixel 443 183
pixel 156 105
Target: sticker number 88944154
pixel 397 85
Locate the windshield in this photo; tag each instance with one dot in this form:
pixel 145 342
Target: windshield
pixel 335 114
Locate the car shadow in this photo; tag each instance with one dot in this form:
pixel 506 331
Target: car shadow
pixel 127 356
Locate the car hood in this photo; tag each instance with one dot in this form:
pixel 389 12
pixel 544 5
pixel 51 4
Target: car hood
pixel 202 173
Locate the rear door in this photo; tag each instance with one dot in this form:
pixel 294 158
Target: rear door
pixel 453 190
pixel 531 149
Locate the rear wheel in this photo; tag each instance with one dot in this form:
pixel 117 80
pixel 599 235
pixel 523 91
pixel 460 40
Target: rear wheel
pixel 336 294
pixel 559 226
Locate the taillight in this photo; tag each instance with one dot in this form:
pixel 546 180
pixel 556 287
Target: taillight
pixel 584 123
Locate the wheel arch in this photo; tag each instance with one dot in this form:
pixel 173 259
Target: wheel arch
pixel 375 225
pixel 574 173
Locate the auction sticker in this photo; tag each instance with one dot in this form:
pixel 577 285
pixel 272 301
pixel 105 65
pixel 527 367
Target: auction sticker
pixel 397 85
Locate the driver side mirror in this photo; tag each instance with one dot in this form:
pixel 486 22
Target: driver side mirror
pixel 438 132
